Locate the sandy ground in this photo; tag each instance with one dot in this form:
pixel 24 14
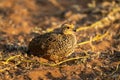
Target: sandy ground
pixel 97 56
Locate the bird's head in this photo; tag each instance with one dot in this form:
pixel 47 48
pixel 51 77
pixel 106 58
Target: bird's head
pixel 67 28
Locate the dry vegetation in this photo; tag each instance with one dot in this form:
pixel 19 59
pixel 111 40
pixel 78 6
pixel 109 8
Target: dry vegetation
pixel 97 56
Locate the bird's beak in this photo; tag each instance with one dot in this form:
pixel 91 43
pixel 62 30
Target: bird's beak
pixel 74 30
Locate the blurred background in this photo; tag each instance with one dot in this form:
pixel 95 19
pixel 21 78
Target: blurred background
pixel 98 24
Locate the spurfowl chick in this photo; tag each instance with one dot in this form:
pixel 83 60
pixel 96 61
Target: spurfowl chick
pixel 54 45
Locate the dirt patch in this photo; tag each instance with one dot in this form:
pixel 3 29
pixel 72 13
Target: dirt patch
pixel 97 55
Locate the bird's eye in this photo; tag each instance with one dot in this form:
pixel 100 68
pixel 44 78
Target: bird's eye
pixel 68 27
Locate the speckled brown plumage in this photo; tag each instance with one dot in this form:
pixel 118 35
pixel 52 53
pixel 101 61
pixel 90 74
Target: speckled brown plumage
pixel 54 45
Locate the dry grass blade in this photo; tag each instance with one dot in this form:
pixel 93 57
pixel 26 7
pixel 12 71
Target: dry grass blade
pixel 112 16
pixel 98 37
pixel 11 58
pixel 71 59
